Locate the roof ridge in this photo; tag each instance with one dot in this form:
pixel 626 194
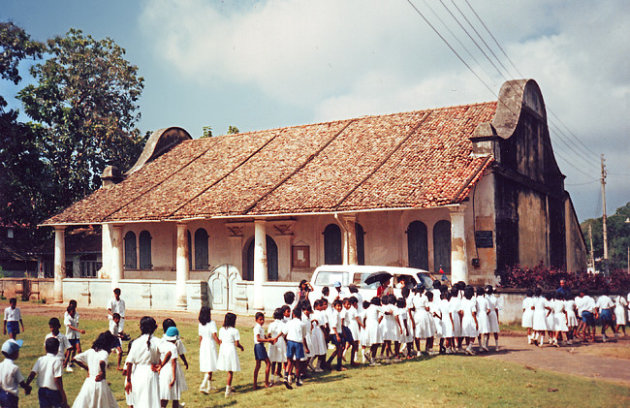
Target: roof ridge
pixel 334 121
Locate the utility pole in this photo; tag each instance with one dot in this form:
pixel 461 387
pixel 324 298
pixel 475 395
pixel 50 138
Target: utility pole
pixel 592 257
pixel 605 233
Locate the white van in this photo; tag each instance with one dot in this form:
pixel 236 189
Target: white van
pixel 327 275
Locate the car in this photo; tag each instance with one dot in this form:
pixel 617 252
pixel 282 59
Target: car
pixel 327 275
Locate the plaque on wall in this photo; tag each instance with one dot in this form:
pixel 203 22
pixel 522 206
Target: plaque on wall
pixel 300 256
pixel 483 239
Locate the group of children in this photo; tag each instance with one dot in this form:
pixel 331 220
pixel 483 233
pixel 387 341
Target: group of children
pixel 564 318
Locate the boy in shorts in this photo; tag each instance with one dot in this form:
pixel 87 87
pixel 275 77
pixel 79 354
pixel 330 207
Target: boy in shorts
pixel 13 319
pixel 296 345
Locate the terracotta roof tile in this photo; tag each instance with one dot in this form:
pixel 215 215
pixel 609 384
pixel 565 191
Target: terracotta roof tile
pixel 413 159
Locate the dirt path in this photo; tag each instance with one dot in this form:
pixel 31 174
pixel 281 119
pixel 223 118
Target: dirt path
pixel 579 359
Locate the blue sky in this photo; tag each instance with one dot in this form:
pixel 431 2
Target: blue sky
pixel 266 64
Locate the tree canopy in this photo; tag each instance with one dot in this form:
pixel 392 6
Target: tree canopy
pixel 83 106
pixel 618 237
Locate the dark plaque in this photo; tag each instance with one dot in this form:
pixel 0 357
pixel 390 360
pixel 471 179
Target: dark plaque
pixel 483 239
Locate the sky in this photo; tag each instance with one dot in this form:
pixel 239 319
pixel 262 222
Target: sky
pixel 275 63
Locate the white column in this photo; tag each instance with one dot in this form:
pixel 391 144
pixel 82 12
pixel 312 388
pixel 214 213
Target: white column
pixel 459 260
pixel 260 263
pixel 350 254
pixel 60 264
pixel 116 261
pixel 181 265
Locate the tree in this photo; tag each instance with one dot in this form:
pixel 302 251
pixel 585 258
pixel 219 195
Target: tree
pixel 85 103
pixel 15 45
pixel 232 130
pixel 618 237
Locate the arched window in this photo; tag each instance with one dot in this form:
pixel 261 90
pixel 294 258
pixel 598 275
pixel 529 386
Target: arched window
pixel 131 255
pixel 442 246
pixel 201 249
pixel 359 233
pixel 144 241
pixel 190 259
pixel 418 245
pixel 272 260
pixel 332 245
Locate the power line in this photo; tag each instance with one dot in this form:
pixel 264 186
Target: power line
pixel 582 184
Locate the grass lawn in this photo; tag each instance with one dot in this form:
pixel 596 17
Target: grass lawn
pixel 444 380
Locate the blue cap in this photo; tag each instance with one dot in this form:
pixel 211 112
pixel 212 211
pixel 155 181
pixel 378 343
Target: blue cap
pixel 171 333
pixel 337 284
pixel 11 346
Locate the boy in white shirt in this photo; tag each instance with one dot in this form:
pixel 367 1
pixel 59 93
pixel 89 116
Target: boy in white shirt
pixel 260 352
pixel 604 309
pixel 10 376
pixel 13 319
pixel 296 345
pixel 48 370
pixel 115 330
pixel 117 305
pixel 64 344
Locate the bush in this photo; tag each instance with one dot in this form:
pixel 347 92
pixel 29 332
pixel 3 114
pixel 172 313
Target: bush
pixel 549 279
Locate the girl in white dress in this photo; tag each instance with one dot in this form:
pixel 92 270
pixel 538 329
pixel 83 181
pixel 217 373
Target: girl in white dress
pixel 541 310
pixel 142 364
pixel 454 303
pixel 447 322
pixel 208 341
pixel 621 304
pixel 388 325
pixel 402 316
pixel 374 337
pixel 425 326
pixel 495 303
pixel 468 314
pixel 436 314
pixel 363 338
pixel 551 321
pixel 572 322
pixel 228 358
pixel 528 314
pixel 411 328
pixel 318 340
pixel 483 322
pixel 351 320
pixel 560 319
pixel 172 381
pixel 95 393
pixel 277 350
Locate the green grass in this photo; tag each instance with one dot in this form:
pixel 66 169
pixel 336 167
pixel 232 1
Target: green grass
pixel 444 380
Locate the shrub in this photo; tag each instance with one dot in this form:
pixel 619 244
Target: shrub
pixel 549 279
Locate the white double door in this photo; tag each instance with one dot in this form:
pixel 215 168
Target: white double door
pixel 221 285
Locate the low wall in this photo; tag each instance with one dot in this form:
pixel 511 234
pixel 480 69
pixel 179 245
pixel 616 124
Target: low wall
pixel 36 289
pixel 138 294
pixel 512 305
pixel 273 295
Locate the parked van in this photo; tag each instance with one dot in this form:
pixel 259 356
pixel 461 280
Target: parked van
pixel 327 275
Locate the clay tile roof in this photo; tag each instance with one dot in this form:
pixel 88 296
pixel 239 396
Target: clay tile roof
pixel 416 159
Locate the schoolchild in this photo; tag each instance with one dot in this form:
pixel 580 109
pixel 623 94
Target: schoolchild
pixel 73 333
pixel 142 365
pixel 560 319
pixel 336 334
pixel 307 312
pixel 64 345
pixel 13 319
pixel 208 343
pixel 411 325
pixel 296 347
pixel 604 308
pixel 10 376
pixel 468 314
pixel 454 303
pixel 172 380
pixel 117 305
pixel 228 358
pixel 586 308
pixel 181 349
pixel 432 317
pixel 539 324
pixel 48 370
pixel 527 320
pixel 621 305
pixel 95 391
pixel 277 350
pixel 388 326
pixel 447 322
pixel 289 299
pixel 495 303
pixel 351 324
pixel 363 332
pixel 260 352
pixel 572 321
pixel 374 336
pixel 483 311
pixel 423 321
pixel 550 297
pixel 406 335
pixel 114 329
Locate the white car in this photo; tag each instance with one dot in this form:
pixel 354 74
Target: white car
pixel 327 275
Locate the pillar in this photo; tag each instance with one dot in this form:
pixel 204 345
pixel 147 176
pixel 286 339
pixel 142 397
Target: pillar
pixel 116 252
pixel 181 266
pixel 459 259
pixel 350 242
pixel 60 264
pixel 260 263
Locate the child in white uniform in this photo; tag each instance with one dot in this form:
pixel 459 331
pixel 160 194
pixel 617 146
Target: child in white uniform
pixel 483 321
pixel 455 305
pixel 95 391
pixel 73 333
pixel 495 303
pixel 141 364
pixel 277 350
pixel 572 322
pixel 228 358
pixel 468 313
pixel 64 344
pixel 539 325
pixel 560 319
pixel 10 376
pixel 621 304
pixel 172 380
pixel 528 315
pixel 49 370
pixel 373 337
pixel 208 342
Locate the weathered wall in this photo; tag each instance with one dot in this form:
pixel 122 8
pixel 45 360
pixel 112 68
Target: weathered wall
pixel 576 247
pixel 533 229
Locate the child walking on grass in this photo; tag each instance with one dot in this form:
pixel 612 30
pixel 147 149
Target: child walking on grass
pixel 10 376
pixel 95 391
pixel 228 358
pixel 48 370
pixel 63 352
pixel 13 319
pixel 208 343
pixel 260 352
pixel 277 350
pixel 172 381
pixel 295 334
